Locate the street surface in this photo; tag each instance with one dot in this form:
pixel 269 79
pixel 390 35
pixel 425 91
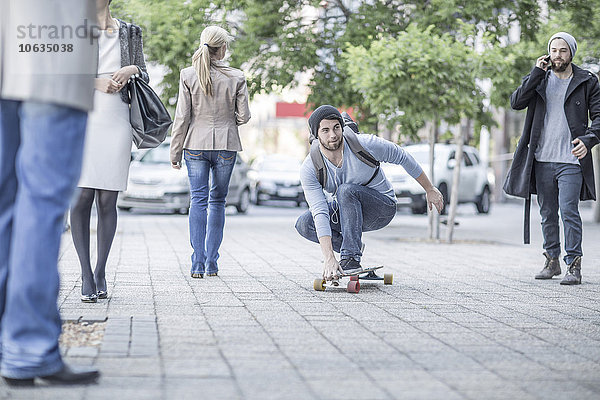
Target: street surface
pixel 461 321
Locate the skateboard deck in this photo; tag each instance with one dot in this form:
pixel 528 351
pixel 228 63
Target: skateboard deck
pixel 354 285
pixel 364 271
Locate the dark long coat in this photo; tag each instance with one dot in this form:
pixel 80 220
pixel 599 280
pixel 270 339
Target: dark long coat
pixel 582 104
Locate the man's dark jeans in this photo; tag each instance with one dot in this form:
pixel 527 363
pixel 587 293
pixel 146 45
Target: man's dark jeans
pixel 361 209
pixel 558 187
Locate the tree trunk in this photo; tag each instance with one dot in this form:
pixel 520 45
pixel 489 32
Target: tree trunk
pixel 434 218
pixel 458 156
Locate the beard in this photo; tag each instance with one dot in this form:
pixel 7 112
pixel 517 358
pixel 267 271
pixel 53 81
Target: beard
pixel 331 146
pixel 562 67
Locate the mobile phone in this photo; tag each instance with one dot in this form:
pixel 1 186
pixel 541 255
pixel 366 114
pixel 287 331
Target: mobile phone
pixel 548 63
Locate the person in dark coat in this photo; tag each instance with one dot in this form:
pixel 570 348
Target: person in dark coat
pixel 553 158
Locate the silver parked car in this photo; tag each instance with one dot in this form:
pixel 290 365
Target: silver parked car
pixel 276 177
pixel 154 184
pixel 474 185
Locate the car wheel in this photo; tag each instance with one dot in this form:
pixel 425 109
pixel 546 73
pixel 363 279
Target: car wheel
pixel 444 191
pixel 182 211
pixel 244 202
pixel 124 208
pixel 483 201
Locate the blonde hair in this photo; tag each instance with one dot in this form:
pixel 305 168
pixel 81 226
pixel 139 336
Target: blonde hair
pixel 212 38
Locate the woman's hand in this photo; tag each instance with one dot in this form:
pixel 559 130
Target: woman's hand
pixel 106 85
pixel 176 165
pixel 122 76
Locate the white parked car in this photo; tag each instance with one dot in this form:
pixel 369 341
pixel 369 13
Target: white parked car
pixel 474 184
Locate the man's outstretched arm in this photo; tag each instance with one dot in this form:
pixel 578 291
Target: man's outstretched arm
pixel 432 194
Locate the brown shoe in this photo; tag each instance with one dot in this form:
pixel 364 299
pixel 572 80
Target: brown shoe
pixel 573 275
pixel 551 268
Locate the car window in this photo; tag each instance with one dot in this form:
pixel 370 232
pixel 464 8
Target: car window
pixel 467 159
pixel 475 158
pixel 159 155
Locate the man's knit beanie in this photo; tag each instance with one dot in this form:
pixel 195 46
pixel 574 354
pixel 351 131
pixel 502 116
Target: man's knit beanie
pixel 567 38
pixel 318 115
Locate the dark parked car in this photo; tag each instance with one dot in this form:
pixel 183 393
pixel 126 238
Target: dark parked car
pixel 276 177
pixel 154 184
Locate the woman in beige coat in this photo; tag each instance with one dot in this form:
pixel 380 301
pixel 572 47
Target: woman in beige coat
pixel 213 101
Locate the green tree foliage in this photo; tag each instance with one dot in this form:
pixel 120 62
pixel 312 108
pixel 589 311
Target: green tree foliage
pixel 275 40
pixel 277 43
pixel 417 76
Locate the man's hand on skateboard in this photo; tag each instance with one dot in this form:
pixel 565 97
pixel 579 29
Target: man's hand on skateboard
pixel 331 268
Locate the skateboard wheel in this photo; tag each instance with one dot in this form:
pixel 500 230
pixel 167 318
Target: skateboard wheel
pixel 354 278
pixel 388 279
pixel 353 287
pixel 319 285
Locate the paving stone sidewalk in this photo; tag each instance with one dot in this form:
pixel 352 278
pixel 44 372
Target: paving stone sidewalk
pixel 461 321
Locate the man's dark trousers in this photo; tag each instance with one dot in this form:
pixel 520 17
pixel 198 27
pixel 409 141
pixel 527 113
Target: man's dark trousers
pixel 558 187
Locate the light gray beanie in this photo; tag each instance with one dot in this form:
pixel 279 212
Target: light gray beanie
pixel 567 38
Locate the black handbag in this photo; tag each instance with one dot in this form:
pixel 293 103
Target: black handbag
pixel 148 116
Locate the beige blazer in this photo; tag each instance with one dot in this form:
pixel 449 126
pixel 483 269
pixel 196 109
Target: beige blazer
pixel 210 122
pixel 48 51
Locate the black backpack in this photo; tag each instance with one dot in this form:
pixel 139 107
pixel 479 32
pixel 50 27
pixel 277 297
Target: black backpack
pixel 350 135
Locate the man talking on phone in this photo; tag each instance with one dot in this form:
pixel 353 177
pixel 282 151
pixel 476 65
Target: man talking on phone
pixel 553 158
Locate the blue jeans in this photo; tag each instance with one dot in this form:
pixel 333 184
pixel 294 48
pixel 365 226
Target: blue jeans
pixel 41 147
pixel 558 187
pixel 357 209
pixel 206 227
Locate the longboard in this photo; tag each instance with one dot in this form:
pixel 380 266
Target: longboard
pixel 354 285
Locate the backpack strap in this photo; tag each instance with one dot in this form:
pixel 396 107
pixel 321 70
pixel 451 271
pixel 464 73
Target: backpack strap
pixel 357 148
pixel 360 152
pixel 318 162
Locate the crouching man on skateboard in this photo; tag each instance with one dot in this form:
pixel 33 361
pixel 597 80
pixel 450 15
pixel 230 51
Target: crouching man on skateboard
pixel 346 165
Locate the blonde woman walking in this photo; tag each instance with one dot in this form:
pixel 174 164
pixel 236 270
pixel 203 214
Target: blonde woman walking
pixel 212 102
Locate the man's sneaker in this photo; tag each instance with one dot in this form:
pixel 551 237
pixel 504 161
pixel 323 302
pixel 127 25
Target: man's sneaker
pixel 350 266
pixel 551 268
pixel 573 275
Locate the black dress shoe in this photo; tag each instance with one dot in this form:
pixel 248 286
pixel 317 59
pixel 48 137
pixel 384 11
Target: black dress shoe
pixel 18 382
pixel 72 376
pixel 66 376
